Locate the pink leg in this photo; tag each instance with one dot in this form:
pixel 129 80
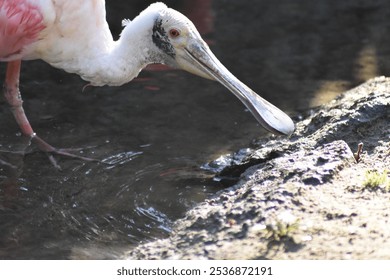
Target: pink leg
pixel 12 95
pixel 14 99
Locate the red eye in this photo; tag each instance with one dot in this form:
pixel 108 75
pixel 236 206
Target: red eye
pixel 174 33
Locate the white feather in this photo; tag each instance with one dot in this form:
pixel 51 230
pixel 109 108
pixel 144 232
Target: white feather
pixel 77 39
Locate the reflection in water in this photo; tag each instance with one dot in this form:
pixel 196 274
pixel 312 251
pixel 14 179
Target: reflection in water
pixel 119 159
pixel 367 63
pixel 156 134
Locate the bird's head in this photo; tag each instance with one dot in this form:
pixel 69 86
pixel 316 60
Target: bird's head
pixel 178 44
pixel 176 37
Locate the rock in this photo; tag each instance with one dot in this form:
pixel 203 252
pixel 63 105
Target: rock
pixel 297 198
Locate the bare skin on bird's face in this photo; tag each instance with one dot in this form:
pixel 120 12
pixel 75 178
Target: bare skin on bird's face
pixel 50 30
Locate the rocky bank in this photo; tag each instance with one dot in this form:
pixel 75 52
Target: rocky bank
pixel 312 196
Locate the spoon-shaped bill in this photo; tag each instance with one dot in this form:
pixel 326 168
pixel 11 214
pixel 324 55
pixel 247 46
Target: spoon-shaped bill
pixel 201 61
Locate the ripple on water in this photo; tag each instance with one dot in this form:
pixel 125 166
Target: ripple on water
pixel 120 159
pixel 153 214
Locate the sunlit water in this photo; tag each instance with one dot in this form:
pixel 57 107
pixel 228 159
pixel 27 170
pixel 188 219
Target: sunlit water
pixel 155 135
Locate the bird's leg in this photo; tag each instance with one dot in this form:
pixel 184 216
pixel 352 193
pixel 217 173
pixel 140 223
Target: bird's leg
pixel 14 99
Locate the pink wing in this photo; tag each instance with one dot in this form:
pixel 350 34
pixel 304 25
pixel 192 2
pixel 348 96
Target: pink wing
pixel 20 24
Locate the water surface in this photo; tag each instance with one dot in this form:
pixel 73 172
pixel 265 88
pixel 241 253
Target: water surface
pixel 155 133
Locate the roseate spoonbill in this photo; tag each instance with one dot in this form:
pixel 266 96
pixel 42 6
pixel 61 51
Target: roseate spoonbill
pixel 73 35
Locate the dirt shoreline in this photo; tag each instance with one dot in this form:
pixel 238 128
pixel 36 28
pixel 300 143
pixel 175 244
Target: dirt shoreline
pixel 300 198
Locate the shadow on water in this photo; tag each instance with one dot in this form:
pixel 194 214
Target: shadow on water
pixel 155 133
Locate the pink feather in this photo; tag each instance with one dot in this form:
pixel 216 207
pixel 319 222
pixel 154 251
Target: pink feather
pixel 20 24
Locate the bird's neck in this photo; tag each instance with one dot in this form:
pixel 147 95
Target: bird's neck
pixel 126 57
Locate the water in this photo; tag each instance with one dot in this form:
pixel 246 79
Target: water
pixel 152 142
pixel 155 133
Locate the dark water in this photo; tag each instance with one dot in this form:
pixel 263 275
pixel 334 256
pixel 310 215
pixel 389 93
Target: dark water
pixel 158 131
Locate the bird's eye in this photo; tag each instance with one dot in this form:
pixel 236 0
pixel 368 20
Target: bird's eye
pixel 174 33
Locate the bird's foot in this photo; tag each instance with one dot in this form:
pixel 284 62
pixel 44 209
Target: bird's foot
pixel 51 151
